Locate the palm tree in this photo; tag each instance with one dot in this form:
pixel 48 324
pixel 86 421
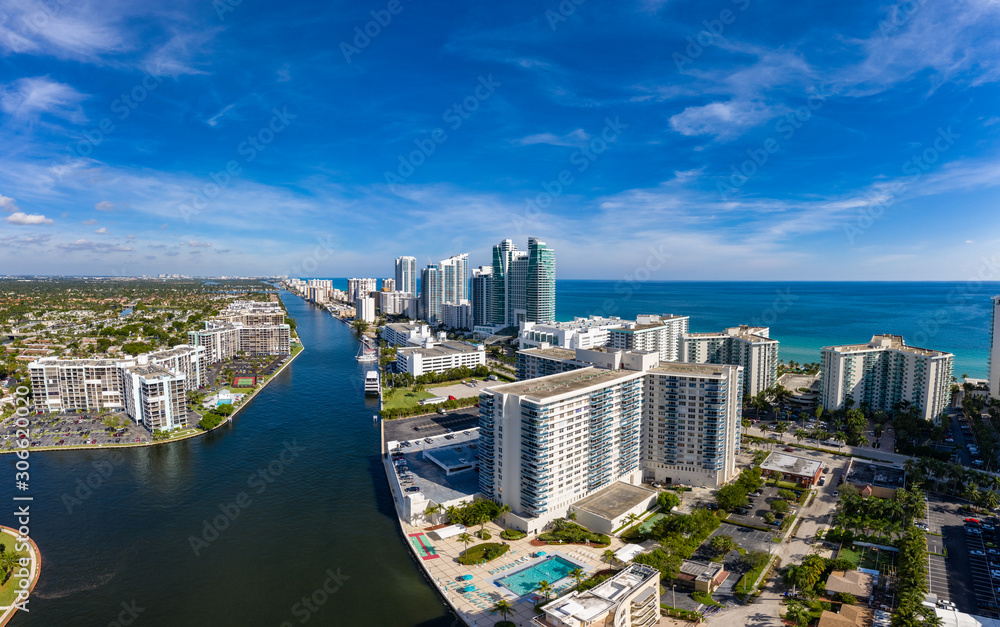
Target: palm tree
pixel 577 575
pixel 608 556
pixel 503 608
pixel 796 613
pixel 465 539
pixel 8 561
pixel 780 429
pixel 545 588
pixel 631 519
pixel 800 434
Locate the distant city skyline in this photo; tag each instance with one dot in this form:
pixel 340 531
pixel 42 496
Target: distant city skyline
pixel 743 141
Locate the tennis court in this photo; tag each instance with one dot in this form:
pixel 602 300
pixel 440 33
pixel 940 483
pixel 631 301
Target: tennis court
pixel 244 382
pixel 875 559
pixel 648 524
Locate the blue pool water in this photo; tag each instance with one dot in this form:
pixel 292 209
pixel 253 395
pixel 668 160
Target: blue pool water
pixel 224 401
pixel 551 570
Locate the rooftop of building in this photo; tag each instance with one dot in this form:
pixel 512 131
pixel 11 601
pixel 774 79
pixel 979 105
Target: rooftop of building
pixel 150 370
pixel 552 352
pixel 581 608
pixel 851 582
pixel 701 571
pixel 441 349
pixel 74 361
pixel 791 465
pixel 563 383
pixel 434 484
pixel 849 616
pixel 685 369
pixel 614 500
pixel 175 351
pixel 887 342
pixel 743 332
pixel 861 472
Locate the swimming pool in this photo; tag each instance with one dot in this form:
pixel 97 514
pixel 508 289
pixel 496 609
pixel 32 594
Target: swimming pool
pixel 551 570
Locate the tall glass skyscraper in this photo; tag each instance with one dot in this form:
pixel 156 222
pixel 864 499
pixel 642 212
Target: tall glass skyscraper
pixel 431 294
pixel 455 278
pixel 540 299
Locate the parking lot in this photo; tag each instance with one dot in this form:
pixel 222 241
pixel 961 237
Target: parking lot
pixel 71 429
pixel 759 506
pixel 749 539
pixel 430 425
pixel 961 578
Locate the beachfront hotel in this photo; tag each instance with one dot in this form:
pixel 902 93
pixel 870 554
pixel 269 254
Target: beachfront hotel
pixel 745 346
pixel 995 350
pixel 884 372
pixel 547 443
pixel 652 333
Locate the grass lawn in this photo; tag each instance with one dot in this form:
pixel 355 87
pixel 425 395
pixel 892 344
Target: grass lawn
pixel 7 591
pixel 398 398
pixel 850 554
pixel 704 597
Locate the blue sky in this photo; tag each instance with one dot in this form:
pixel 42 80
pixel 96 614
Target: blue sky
pixel 729 139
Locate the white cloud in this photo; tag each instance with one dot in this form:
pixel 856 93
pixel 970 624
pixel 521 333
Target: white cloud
pixel 90 221
pixel 214 120
pixel 196 244
pixel 87 245
pixel 576 138
pixel 104 205
pixel 175 58
pixel 8 204
pixel 101 230
pixel 19 217
pixel 724 120
pixel 31 97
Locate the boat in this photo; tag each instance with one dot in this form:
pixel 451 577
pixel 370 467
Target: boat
pixel 371 383
pixel 367 352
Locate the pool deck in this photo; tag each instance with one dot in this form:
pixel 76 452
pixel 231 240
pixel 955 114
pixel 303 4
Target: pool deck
pixel 473 607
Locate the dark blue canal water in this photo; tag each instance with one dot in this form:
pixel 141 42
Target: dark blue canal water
pixel 295 486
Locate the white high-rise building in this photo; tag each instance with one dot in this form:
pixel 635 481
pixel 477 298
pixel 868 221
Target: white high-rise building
pixel 392 303
pixel 546 443
pixel 457 315
pixel 364 309
pixel 652 333
pixel 356 288
pixel 455 278
pixel 745 346
pixel 406 275
pixel 388 285
pixel 884 372
pixel 995 350
pixel 431 294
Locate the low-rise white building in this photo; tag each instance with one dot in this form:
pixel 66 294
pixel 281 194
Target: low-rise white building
pixel 631 598
pixel 579 333
pixel 439 357
pixel 406 333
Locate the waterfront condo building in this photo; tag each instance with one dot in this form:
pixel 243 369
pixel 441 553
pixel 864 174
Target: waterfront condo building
pixel 186 359
pixel 548 442
pixel 223 340
pixel 523 287
pixel 457 315
pixel 76 384
pixel 884 372
pixel 406 275
pixel 691 423
pixel 356 288
pixel 392 303
pixel 650 332
pixel 630 598
pixel 745 346
pixel 364 308
pixel 995 350
pixel 579 333
pixel 154 396
pixel 432 356
pixel 482 290
pixel 388 285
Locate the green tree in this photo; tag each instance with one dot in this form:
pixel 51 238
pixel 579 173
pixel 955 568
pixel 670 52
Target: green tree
pixel 465 539
pixel 722 544
pixel 545 588
pixel 731 496
pixel 577 575
pixel 796 613
pixel 779 506
pixel 668 500
pixel 503 608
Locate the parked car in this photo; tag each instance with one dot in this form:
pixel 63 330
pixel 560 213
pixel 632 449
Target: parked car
pixel 413 489
pixel 974 521
pixel 977 552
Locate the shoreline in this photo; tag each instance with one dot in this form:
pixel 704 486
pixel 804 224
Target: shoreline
pixel 116 447
pixel 36 563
